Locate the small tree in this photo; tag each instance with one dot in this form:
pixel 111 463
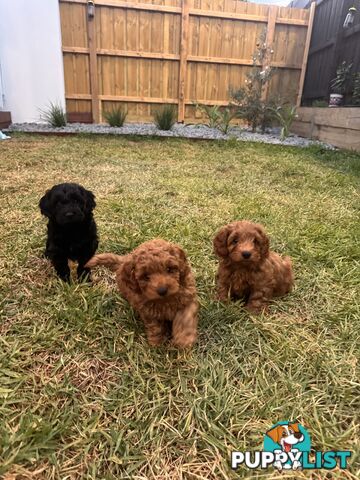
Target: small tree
pixel 250 99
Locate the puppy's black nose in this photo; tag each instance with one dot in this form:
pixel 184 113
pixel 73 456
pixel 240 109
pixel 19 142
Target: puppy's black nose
pixel 162 291
pixel 246 254
pixel 298 435
pixel 69 214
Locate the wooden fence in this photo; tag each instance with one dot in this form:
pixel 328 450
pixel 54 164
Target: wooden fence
pixel 331 44
pixel 175 51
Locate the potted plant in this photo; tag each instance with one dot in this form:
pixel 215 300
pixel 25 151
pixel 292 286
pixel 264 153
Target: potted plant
pixel 338 84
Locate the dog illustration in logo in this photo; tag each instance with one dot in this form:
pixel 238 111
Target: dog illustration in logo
pixel 287 436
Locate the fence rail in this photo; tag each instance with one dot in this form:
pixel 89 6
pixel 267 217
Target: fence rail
pixel 175 51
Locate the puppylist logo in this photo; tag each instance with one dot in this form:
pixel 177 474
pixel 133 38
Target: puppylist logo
pixel 287 447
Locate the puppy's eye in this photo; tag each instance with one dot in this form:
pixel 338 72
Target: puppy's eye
pixel 256 241
pixel 171 269
pixel 145 277
pixel 235 241
pixel 284 434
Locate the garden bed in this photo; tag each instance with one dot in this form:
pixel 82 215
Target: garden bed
pixel 179 130
pixel 338 126
pixel 5 119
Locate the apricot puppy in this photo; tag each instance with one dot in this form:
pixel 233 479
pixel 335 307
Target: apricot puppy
pixel 247 268
pixel 157 281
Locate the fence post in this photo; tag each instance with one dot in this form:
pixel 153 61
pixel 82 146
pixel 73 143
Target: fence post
pixel 270 35
pixel 183 58
pixel 306 52
pixel 94 87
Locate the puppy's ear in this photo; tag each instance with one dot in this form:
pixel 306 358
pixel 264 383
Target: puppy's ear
pixel 178 252
pixel 275 434
pixel 45 205
pixel 90 200
pixel 184 265
pixel 220 241
pixel 264 240
pixel 295 425
pixel 128 275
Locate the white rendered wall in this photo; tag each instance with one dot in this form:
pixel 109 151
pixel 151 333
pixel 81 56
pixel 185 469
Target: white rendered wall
pixel 30 57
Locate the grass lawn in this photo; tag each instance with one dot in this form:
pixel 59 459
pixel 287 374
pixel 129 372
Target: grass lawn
pixel 82 395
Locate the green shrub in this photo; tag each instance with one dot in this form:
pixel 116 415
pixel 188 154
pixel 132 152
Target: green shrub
pixel 225 117
pixel 320 103
pixel 218 117
pixel 212 113
pixel 115 117
pixel 165 117
pixel 54 114
pixel 285 115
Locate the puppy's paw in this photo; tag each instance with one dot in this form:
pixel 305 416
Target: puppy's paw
pixel 183 342
pixel 256 308
pixel 156 341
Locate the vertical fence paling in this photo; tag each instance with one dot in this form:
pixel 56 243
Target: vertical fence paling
pixel 183 58
pixel 93 67
pixel 170 74
pixel 306 53
pixel 270 35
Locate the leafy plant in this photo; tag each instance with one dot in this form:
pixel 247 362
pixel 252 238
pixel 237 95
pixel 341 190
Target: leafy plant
pixel 250 99
pixel 356 88
pixel 218 117
pixel 165 117
pixel 338 84
pixel 212 113
pixel 320 103
pixel 285 114
pixel 225 117
pixel 54 114
pixel 115 117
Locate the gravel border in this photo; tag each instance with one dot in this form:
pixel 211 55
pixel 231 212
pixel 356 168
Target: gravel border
pixel 199 131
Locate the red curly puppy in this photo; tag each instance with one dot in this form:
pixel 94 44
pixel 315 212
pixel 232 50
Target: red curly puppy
pixel 157 281
pixel 247 268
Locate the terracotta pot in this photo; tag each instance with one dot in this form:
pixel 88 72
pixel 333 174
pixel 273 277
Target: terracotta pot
pixel 335 99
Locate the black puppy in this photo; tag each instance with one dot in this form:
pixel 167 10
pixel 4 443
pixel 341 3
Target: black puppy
pixel 71 227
